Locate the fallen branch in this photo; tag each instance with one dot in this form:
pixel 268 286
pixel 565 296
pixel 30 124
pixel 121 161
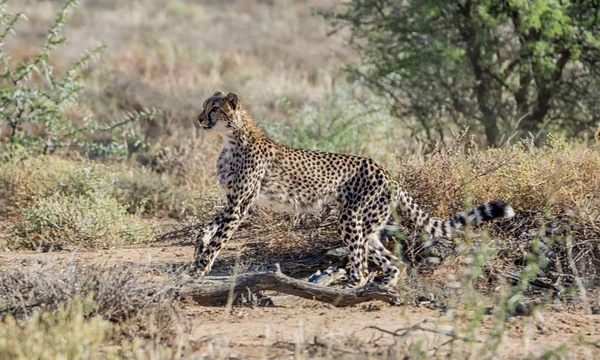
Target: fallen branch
pixel 322 278
pixel 336 258
pixel 216 289
pixel 188 232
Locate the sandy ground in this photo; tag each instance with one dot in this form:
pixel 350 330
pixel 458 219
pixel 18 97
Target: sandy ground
pixel 318 330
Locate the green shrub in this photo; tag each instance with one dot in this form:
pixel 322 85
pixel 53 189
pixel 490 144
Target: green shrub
pixel 457 63
pixel 92 220
pixel 146 193
pixel 26 178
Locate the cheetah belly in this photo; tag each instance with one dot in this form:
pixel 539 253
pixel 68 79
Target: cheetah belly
pixel 279 199
pixel 284 204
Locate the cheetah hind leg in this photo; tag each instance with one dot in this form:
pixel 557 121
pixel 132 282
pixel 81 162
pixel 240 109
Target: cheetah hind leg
pixel 382 257
pixel 350 230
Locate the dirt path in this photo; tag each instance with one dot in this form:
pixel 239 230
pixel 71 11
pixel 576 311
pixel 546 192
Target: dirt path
pixel 272 332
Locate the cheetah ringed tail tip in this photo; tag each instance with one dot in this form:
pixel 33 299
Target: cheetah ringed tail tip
pixel 496 209
pixel 509 212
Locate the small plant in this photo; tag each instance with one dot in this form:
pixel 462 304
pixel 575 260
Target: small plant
pixel 41 108
pixel 25 179
pixel 125 296
pixel 78 221
pixel 148 193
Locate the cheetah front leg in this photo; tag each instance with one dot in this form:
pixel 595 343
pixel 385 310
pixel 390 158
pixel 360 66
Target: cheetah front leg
pixel 213 236
pixel 221 229
pixel 205 235
pixel 208 248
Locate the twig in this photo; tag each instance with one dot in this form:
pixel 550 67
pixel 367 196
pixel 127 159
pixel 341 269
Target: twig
pixel 418 326
pixel 435 349
pixel 578 282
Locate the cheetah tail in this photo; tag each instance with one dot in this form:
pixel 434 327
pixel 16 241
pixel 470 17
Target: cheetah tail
pixel 443 228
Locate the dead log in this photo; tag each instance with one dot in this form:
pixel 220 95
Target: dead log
pixel 217 289
pixel 322 278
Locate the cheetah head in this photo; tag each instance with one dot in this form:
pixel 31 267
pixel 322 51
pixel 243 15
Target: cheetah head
pixel 219 112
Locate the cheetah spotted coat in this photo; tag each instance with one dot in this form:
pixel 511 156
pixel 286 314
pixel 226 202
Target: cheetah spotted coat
pixel 253 169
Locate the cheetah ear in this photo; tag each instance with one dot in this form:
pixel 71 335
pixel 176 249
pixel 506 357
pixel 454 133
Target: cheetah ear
pixel 234 100
pixel 219 94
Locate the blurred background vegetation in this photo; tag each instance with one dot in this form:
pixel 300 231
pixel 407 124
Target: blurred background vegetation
pixel 367 77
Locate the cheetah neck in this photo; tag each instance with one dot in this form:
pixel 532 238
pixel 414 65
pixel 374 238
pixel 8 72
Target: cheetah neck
pixel 244 132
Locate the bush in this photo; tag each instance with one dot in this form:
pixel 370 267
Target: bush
pixel 555 191
pixel 506 69
pixel 92 220
pixel 560 176
pixel 125 296
pixel 149 193
pixel 66 203
pixel 341 122
pixel 41 334
pixel 25 177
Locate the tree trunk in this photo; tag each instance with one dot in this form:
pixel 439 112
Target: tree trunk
pixel 482 88
pixel 490 123
pixel 546 90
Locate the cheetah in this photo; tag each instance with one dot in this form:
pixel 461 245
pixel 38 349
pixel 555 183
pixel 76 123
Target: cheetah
pixel 254 169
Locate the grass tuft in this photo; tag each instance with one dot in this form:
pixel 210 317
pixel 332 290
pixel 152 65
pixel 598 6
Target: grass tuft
pixel 66 333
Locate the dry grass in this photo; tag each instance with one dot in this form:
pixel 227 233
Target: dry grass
pixel 560 177
pixel 117 312
pixel 57 202
pixel 42 334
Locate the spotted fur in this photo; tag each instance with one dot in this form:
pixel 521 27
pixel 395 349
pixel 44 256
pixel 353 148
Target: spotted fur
pixel 253 169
